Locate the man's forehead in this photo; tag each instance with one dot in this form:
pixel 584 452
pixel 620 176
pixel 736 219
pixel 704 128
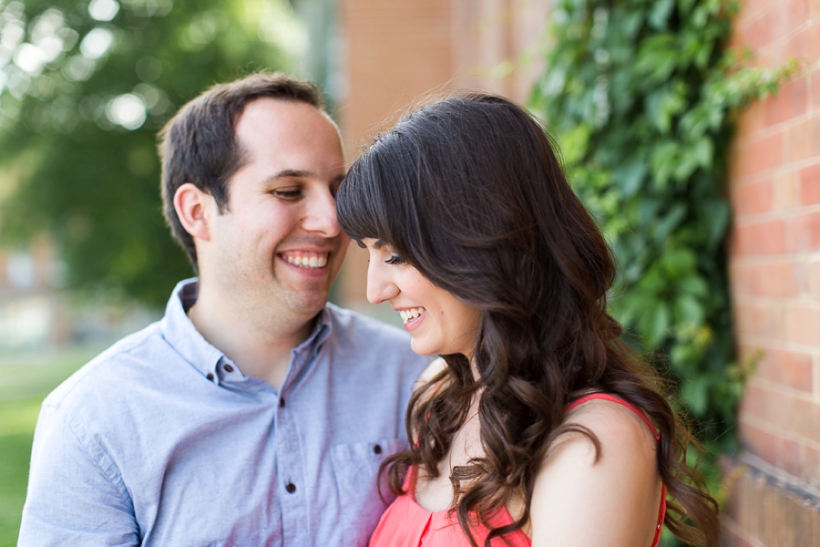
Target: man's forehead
pixel 268 125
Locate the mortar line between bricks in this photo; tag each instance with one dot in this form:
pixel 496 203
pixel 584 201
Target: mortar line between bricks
pixel 768 131
pixel 750 219
pixel 780 389
pixel 774 343
pixel 780 345
pixel 773 258
pixel 741 181
pixel 802 301
pixel 767 427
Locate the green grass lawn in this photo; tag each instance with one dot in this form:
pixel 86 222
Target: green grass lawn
pixel 25 380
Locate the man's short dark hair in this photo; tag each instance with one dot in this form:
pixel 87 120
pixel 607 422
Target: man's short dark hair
pixel 199 144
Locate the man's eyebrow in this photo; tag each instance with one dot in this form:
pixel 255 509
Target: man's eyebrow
pixel 298 174
pixel 292 173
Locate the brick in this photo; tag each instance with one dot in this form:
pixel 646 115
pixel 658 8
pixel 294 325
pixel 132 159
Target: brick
pixel 753 119
pixel 396 51
pixel 791 101
pixel 802 277
pixel 815 134
pixel 769 515
pixel 752 198
pixel 808 49
pixel 754 403
pixel 788 456
pixel 784 16
pixel 797 13
pixel 802 232
pixel 814 75
pixel 762 155
pixel 758 442
pixel 786 191
pixel 751 9
pixel 761 320
pixel 810 457
pixel 775 279
pixel 753 33
pixel 798 140
pixel 803 325
pixel 761 238
pixel 814 280
pixel 799 416
pixel 803 417
pixel 789 368
pixel 810 185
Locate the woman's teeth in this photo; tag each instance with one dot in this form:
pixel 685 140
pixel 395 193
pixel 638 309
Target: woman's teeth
pixel 409 314
pixel 308 261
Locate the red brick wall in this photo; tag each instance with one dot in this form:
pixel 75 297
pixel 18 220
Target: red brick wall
pixel 775 256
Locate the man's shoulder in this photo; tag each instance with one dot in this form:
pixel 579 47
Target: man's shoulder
pixel 353 324
pixel 104 375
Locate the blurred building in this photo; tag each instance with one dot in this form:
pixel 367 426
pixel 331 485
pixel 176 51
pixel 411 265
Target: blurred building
pixel 32 309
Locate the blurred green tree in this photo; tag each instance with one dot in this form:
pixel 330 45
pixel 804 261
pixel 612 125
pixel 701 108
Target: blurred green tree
pixel 84 89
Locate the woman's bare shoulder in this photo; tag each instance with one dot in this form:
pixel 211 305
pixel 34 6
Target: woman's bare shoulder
pixel 616 486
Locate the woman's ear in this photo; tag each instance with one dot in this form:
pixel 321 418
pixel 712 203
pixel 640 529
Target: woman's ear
pixel 192 206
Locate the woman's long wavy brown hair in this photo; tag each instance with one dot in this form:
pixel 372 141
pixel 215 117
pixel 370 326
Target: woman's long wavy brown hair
pixel 469 191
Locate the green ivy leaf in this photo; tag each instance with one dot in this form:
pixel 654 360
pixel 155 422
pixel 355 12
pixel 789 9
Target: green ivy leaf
pixel 660 12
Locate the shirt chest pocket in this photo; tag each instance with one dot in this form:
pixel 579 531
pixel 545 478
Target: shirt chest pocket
pixel 356 468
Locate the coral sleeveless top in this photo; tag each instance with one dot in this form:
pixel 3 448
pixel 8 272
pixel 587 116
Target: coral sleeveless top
pixel 407 524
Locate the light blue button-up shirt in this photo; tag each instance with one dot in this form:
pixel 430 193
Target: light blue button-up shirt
pixel 161 440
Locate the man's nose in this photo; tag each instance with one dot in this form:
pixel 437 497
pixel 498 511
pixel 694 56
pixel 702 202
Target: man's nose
pixel 320 214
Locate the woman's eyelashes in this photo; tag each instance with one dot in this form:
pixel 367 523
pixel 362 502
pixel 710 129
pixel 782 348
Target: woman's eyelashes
pixel 394 259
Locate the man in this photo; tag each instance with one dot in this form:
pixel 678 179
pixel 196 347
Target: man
pixel 253 413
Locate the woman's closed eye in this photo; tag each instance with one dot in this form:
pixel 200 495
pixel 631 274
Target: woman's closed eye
pixel 394 259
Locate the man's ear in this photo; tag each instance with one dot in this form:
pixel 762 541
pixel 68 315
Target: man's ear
pixel 193 208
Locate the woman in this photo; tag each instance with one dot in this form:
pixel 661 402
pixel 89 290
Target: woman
pixel 542 428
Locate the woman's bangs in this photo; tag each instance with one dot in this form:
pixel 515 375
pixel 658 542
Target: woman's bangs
pixel 361 208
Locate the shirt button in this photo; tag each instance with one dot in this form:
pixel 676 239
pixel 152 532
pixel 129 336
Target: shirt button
pixel 228 368
pixel 210 377
pixel 281 401
pixel 291 488
pixel 377 449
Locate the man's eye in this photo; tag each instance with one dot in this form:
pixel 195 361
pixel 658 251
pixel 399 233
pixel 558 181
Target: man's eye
pixel 395 259
pixel 334 189
pixel 290 194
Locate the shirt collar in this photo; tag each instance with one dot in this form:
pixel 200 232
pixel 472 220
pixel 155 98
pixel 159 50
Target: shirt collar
pixel 182 335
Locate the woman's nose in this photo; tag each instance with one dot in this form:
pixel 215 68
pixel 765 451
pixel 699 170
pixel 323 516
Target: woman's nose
pixel 379 285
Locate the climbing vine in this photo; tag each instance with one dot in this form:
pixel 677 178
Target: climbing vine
pixel 642 96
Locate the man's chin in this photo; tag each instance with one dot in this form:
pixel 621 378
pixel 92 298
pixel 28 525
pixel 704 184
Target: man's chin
pixel 308 303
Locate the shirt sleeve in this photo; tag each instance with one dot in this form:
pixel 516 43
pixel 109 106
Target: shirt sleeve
pixel 75 494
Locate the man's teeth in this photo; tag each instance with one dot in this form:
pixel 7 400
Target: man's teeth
pixel 308 261
pixel 412 313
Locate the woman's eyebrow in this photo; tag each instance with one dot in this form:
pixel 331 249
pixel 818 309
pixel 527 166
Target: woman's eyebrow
pixel 377 244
